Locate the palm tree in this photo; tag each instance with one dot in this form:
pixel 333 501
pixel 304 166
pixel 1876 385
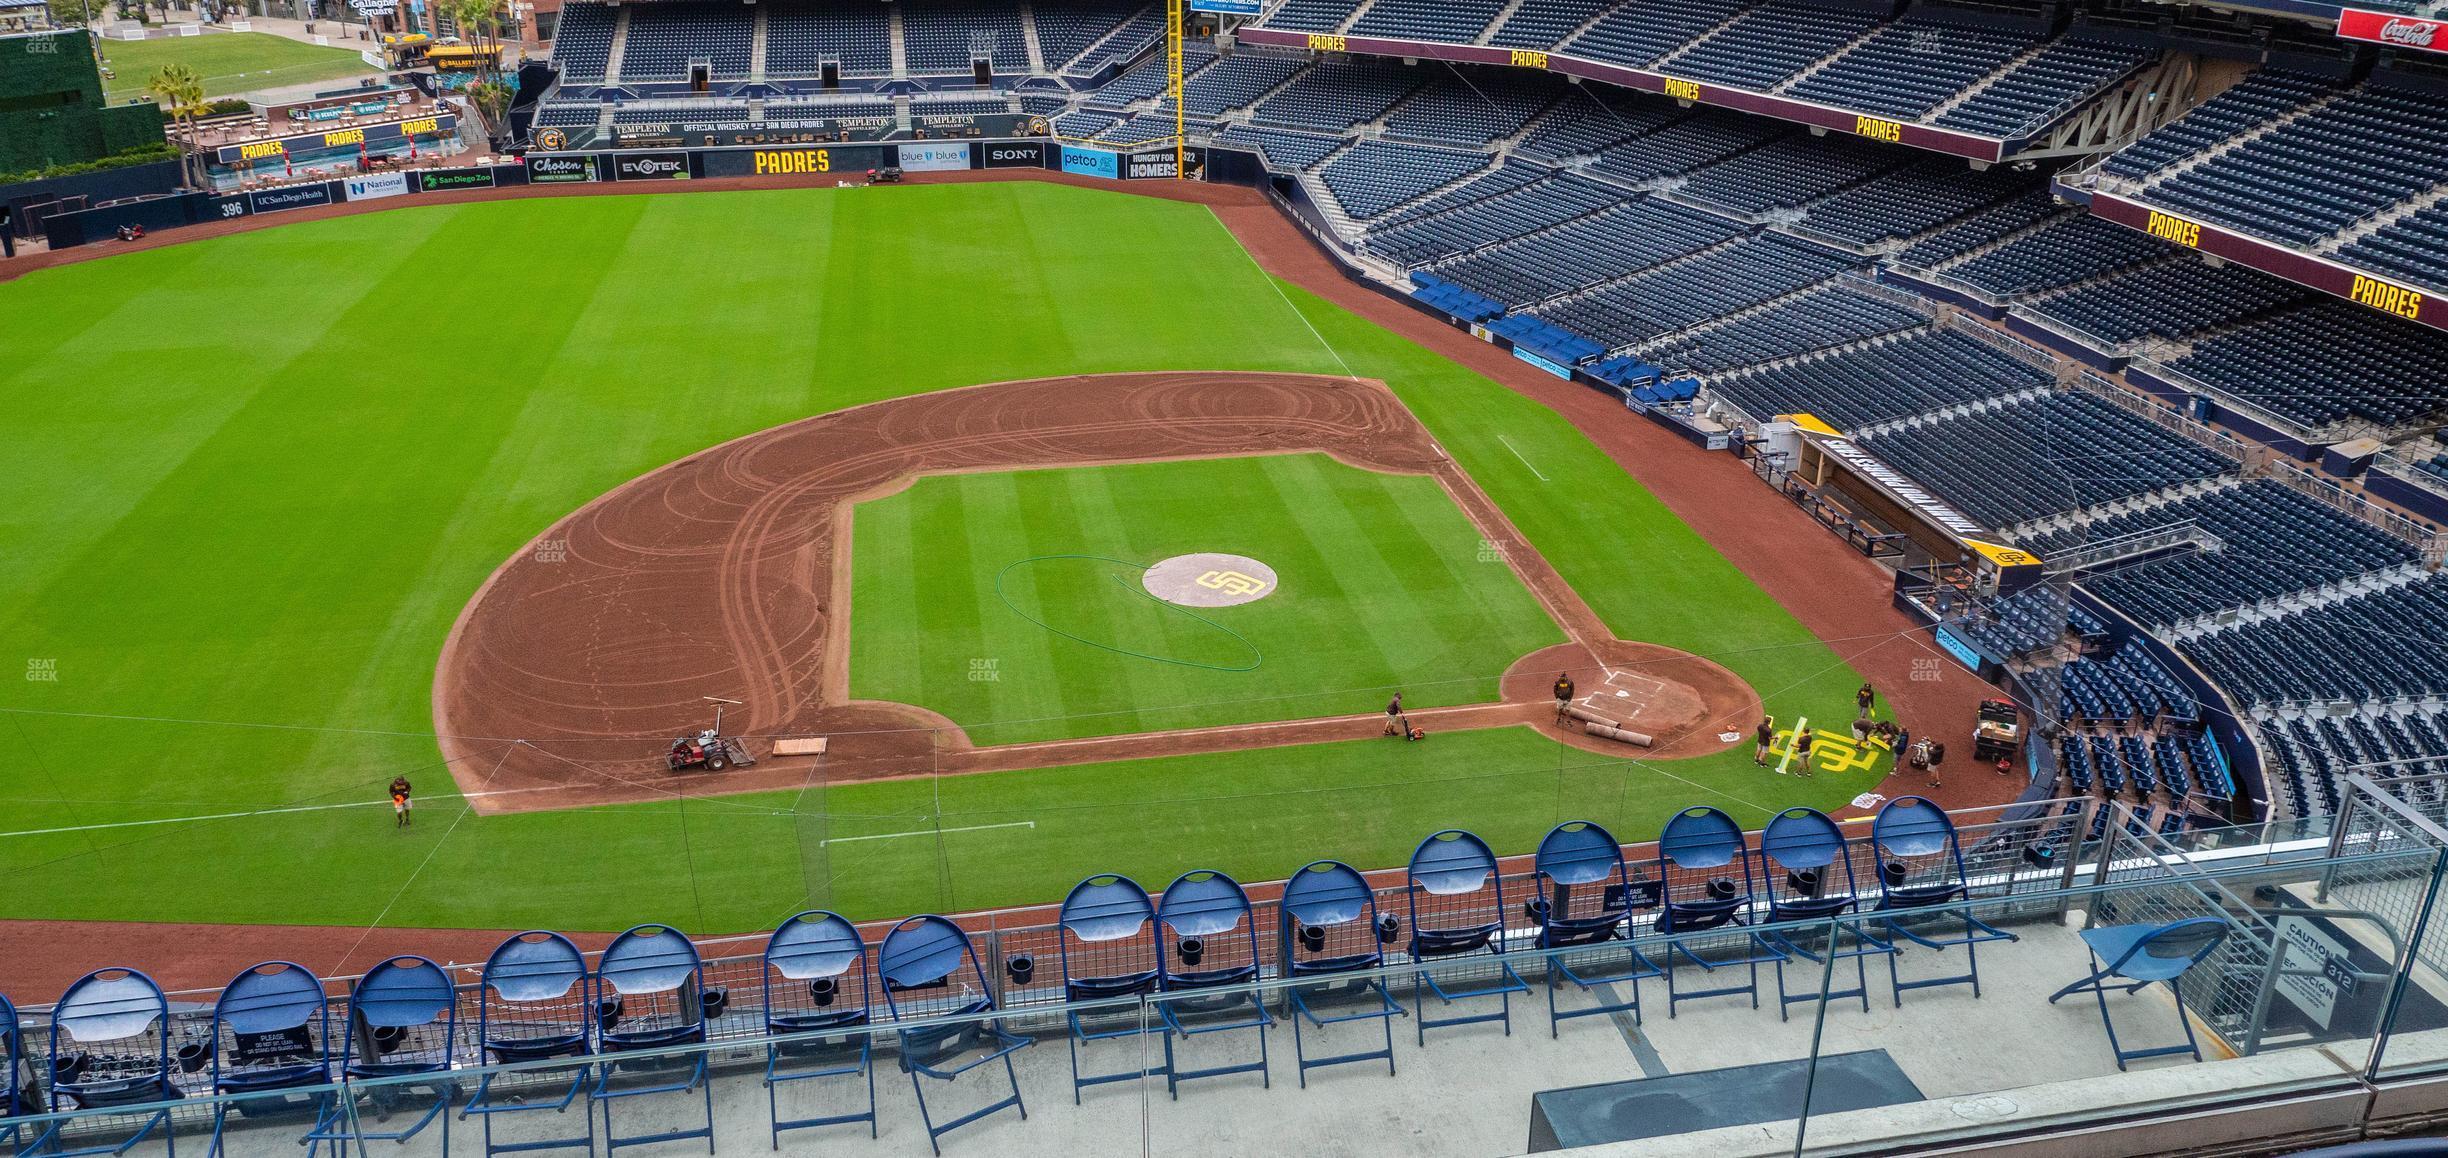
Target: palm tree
pixel 181 88
pixel 479 23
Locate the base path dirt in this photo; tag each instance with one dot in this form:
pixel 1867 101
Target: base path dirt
pixel 726 575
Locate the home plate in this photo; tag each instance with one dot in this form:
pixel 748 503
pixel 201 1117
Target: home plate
pixel 1728 737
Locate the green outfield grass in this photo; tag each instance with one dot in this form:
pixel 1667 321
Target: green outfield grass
pixel 230 62
pixel 254 479
pixel 963 604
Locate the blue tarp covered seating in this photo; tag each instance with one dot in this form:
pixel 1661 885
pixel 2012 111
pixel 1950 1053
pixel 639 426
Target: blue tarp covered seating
pixel 930 969
pixel 1453 299
pixel 2138 956
pixel 110 1047
pixel 17 1095
pixel 535 1002
pixel 817 981
pixel 1806 845
pixel 1107 935
pixel 271 1032
pixel 652 994
pixel 1587 897
pixel 1331 932
pixel 1457 912
pixel 1704 865
pixel 1922 892
pixel 1210 944
pixel 403 1020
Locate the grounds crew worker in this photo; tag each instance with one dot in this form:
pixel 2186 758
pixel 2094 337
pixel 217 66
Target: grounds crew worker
pixel 1563 693
pixel 399 801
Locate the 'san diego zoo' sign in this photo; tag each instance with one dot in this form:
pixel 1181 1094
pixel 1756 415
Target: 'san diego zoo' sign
pixel 445 180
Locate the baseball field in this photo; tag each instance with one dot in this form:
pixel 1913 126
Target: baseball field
pixel 261 480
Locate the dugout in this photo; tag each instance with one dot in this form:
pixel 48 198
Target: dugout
pixel 1822 462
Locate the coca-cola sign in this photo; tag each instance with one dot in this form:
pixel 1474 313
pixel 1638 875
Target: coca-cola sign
pixel 2392 29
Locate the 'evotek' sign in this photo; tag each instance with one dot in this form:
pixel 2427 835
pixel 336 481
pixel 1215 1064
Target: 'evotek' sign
pixel 650 167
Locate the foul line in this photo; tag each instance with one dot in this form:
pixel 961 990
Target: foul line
pixel 1508 443
pixel 926 832
pixel 261 812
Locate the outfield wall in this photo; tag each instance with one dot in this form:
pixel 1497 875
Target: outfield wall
pixel 156 211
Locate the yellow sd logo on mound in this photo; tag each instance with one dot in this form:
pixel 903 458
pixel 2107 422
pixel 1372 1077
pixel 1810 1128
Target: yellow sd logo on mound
pixel 1232 583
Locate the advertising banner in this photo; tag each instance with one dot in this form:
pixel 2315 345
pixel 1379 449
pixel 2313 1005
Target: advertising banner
pixel 445 180
pixel 559 170
pixel 650 167
pixel 1549 365
pixel 792 162
pixel 1015 155
pixel 261 152
pixel 2394 29
pixel 293 197
pixel 374 186
pixel 1228 7
pixel 1160 164
pixel 1091 162
pixel 935 158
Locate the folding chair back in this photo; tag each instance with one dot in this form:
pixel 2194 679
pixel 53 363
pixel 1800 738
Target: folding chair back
pixel 1586 898
pixel 651 988
pixel 1587 889
pixel 1108 940
pixel 1704 865
pixel 816 978
pixel 823 963
pixel 1212 935
pixel 271 1028
pixel 1457 907
pixel 535 999
pixel 110 1047
pixel 1456 898
pixel 403 1019
pixel 1810 850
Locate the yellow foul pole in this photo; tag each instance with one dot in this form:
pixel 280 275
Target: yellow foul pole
pixel 1173 87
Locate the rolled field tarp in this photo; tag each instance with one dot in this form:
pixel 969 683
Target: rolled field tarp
pixel 1587 716
pixel 1625 735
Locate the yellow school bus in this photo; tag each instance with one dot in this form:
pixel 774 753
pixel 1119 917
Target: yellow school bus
pixel 463 57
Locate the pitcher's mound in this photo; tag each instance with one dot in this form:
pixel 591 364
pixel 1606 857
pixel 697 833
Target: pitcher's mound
pixel 1209 579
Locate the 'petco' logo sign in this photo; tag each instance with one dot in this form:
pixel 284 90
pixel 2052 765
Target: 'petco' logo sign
pixel 2393 30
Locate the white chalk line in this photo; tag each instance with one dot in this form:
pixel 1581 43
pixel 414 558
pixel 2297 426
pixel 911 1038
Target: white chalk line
pixel 927 832
pixel 1508 445
pixel 258 812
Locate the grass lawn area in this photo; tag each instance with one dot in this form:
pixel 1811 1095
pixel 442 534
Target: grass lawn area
pixel 962 602
pixel 231 62
pixel 234 551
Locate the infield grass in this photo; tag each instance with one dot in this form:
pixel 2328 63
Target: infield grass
pixel 964 601
pixel 236 538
